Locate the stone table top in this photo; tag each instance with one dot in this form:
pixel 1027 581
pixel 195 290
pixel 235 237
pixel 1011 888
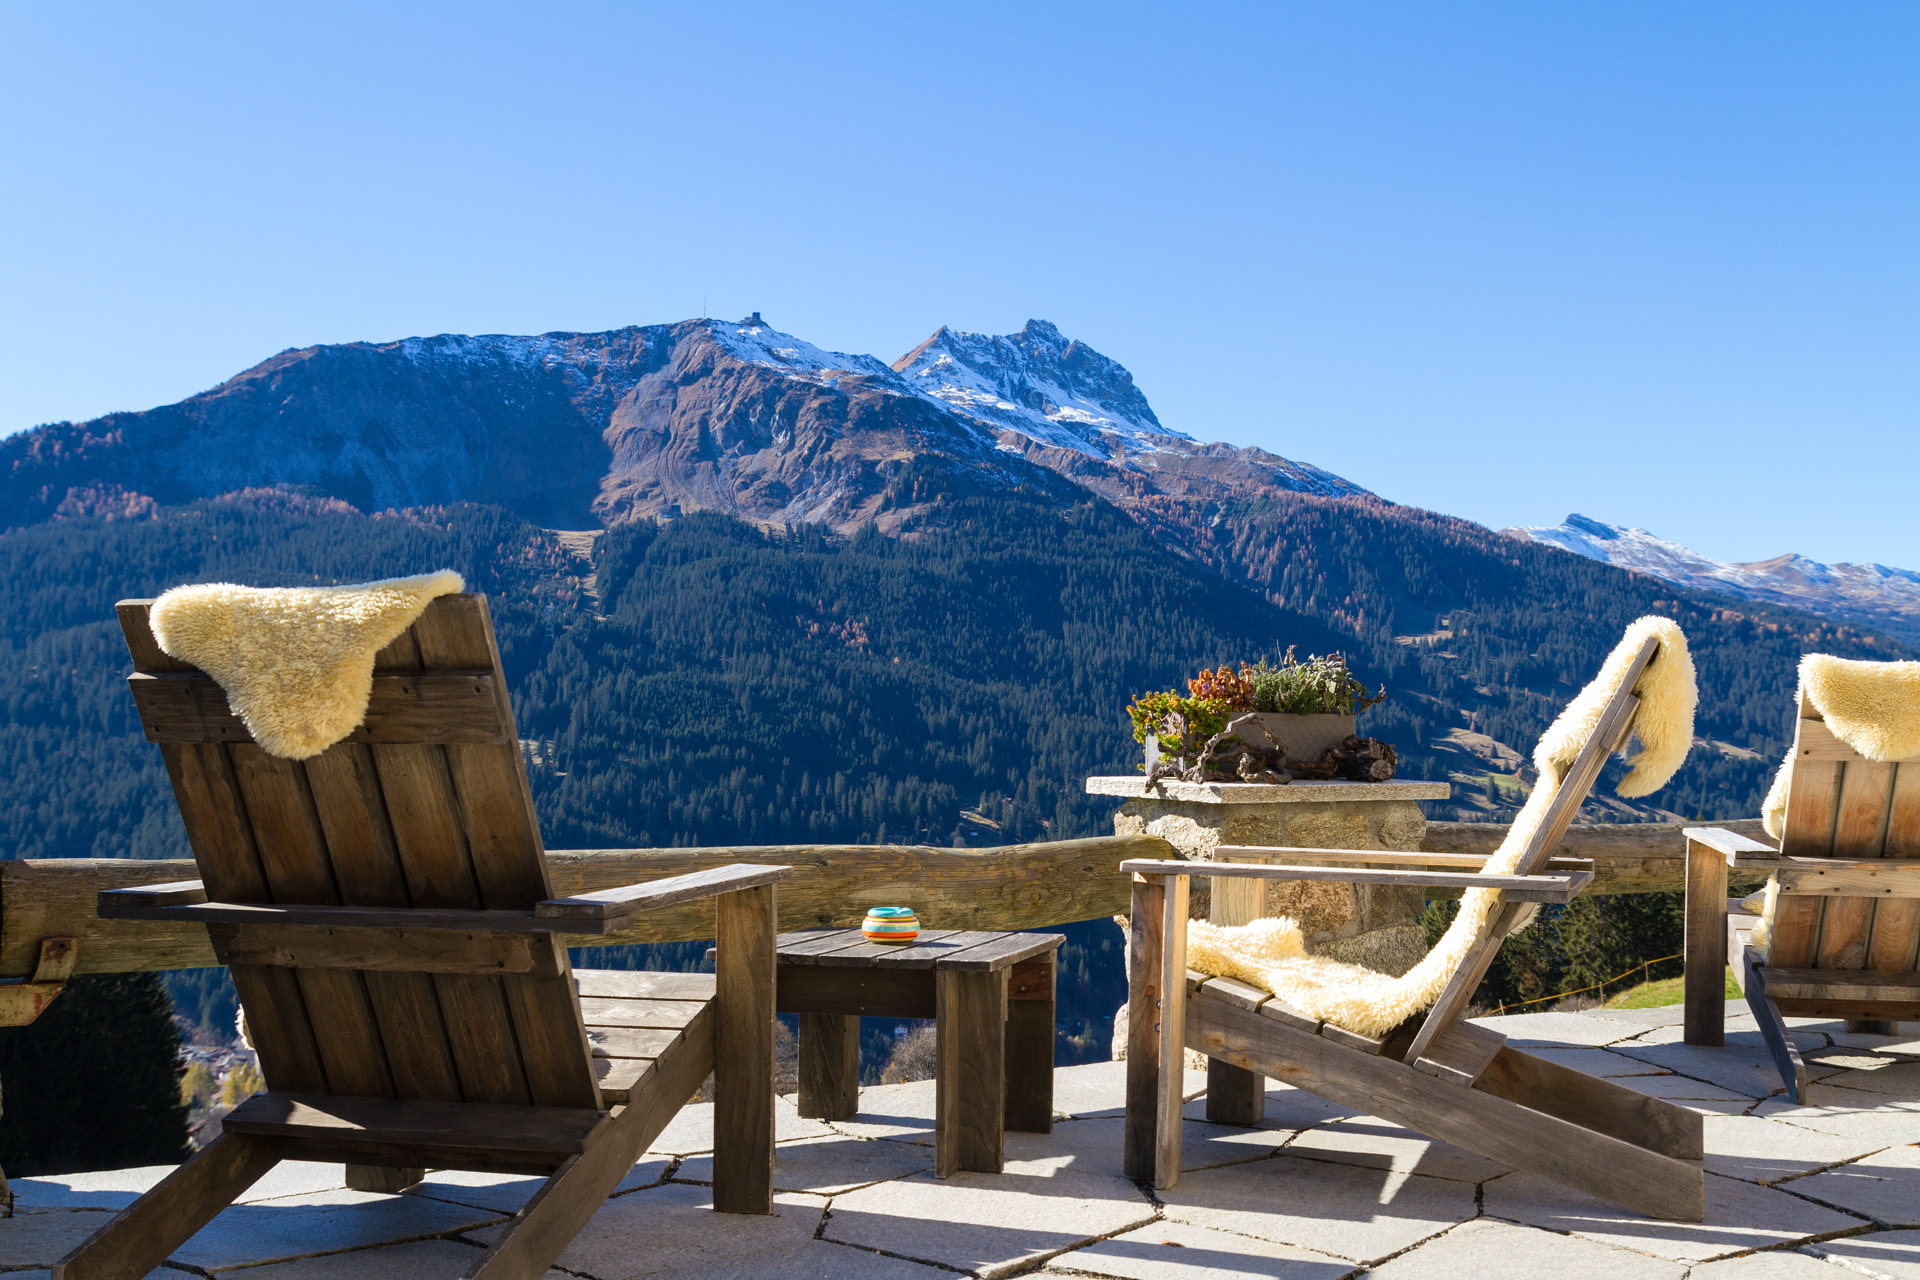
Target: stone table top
pixel 1134 787
pixel 1829 1190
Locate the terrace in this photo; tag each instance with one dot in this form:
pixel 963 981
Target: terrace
pixel 1829 1189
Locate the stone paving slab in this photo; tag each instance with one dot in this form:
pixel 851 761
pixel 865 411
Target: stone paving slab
pixel 825 1166
pixel 672 1230
pixel 415 1260
pixel 1894 1254
pixel 1373 1143
pixel 1178 1251
pixel 318 1222
pixel 1315 1190
pixel 1741 1218
pixel 987 1224
pixel 1345 1210
pixel 1098 1089
pixel 691 1131
pixel 1596 1062
pixel 1775 1265
pixel 1884 1186
pixel 1850 1113
pixel 1557 1029
pixel 1483 1249
pixel 1766 1151
pixel 1738 1068
pixel 44 1238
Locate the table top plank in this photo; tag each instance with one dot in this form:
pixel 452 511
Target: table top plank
pixel 919 954
pixel 1002 952
pixel 799 947
pixel 965 951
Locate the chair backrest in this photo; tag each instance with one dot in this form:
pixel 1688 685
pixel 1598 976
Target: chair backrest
pixel 1610 733
pixel 426 805
pixel 1842 805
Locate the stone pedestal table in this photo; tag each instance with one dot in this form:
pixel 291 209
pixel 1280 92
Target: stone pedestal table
pixel 1372 925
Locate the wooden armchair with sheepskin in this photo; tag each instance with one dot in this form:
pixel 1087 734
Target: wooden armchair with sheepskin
pixel 1835 931
pixel 1252 999
pixel 372 873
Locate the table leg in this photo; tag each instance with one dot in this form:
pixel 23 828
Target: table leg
pixel 1029 1051
pixel 829 1066
pixel 969 1071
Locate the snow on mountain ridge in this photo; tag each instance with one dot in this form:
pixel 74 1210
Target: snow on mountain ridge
pixel 1872 594
pixel 1038 383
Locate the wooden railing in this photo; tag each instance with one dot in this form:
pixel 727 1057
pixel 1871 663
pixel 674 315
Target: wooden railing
pixel 1026 886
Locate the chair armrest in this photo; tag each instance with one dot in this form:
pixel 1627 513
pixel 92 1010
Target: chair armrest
pixel 1385 857
pixel 629 899
pixel 1737 849
pixel 171 894
pixel 1561 888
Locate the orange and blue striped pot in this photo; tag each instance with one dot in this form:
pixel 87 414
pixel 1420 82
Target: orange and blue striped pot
pixel 891 924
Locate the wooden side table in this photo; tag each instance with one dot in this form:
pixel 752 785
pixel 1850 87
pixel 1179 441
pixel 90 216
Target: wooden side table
pixel 991 996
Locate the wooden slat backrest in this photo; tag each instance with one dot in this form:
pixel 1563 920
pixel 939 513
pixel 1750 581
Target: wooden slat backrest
pixel 1842 805
pixel 1610 733
pixel 415 823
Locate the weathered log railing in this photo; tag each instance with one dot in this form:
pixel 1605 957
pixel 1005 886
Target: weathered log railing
pixel 1017 887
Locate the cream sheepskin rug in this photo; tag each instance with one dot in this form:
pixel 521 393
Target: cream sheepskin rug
pixel 296 662
pixel 1272 954
pixel 1873 707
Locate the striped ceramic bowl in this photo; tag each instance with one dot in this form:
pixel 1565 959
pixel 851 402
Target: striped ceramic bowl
pixel 891 924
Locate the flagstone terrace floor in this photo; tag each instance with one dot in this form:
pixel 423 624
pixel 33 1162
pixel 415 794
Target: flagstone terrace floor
pixel 1825 1191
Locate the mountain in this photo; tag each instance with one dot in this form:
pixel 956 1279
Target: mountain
pixel 829 600
pixel 1870 595
pixel 579 430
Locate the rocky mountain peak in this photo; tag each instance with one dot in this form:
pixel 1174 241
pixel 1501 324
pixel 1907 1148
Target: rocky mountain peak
pixel 1037 383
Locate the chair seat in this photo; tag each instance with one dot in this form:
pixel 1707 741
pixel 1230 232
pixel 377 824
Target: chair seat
pixel 634 1016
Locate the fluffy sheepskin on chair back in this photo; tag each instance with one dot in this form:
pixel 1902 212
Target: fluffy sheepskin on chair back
pixel 1271 953
pixel 296 662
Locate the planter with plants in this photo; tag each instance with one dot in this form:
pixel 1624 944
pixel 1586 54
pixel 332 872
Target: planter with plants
pixel 1271 723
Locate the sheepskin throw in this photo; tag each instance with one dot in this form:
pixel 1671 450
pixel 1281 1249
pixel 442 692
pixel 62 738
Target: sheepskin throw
pixel 296 662
pixel 1272 953
pixel 1873 707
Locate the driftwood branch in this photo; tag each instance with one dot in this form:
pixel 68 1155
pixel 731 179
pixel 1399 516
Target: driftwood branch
pixel 1028 886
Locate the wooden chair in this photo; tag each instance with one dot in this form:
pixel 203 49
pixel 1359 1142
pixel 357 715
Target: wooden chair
pixel 386 913
pixel 1438 1075
pixel 1846 919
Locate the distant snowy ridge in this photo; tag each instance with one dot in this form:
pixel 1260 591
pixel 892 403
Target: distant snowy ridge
pixel 1871 594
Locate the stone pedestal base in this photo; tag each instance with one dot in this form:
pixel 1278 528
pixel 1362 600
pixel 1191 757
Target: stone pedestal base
pixel 1372 925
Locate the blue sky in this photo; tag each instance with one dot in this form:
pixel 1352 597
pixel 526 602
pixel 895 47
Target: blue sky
pixel 1654 263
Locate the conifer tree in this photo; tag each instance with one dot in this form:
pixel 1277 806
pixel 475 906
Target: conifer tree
pixel 94 1082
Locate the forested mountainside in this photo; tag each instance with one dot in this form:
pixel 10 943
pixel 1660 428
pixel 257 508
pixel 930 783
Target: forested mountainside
pixel 712 682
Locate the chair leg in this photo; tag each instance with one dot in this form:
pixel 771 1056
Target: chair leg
pixel 743 1051
pixel 382 1178
pixel 1773 1030
pixel 140 1237
pixel 1873 1026
pixel 1705 983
